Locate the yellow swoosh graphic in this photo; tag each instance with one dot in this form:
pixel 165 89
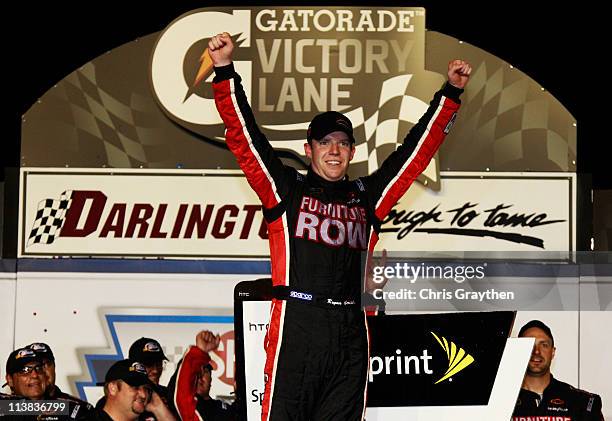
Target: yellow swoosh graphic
pixel 458 359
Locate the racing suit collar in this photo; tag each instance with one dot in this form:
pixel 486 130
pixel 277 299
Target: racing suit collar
pixel 553 384
pixel 551 388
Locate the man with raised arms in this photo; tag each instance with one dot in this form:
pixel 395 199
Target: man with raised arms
pixel 318 226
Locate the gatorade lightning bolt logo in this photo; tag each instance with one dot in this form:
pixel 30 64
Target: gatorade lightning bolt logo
pixel 458 359
pixel 206 66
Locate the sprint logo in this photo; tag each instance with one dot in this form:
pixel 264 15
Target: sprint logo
pixel 420 364
pixel 458 359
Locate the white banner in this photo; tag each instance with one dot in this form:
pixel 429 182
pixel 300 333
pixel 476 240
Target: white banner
pixel 486 212
pixel 207 214
pixel 162 213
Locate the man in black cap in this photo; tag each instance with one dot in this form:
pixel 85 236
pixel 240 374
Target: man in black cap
pixel 53 391
pixel 150 353
pixel 318 226
pixel 24 377
pixel 27 378
pixel 543 397
pixel 128 394
pixel 25 374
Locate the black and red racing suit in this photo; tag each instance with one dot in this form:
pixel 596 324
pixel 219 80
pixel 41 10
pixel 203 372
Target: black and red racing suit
pixel 559 402
pixel 317 354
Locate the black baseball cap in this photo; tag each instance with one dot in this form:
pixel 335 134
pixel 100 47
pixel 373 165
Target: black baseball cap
pixel 19 358
pixel 132 372
pixel 540 325
pixel 43 350
pixel 147 351
pixel 329 122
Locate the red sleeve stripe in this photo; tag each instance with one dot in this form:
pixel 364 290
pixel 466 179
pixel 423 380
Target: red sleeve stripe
pixel 278 238
pixel 287 249
pixel 410 170
pixel 279 254
pixel 372 240
pixel 273 346
pixel 267 192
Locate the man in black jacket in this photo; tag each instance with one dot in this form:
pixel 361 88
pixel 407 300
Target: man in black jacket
pixel 149 352
pixel 213 409
pixel 128 393
pixel 318 226
pixel 27 377
pixel 53 391
pixel 544 398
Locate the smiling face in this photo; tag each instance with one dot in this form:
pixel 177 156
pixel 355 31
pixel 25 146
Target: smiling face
pixel 30 382
pixel 330 156
pixel 130 401
pixel 542 354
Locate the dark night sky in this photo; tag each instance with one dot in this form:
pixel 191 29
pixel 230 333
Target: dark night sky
pixel 550 44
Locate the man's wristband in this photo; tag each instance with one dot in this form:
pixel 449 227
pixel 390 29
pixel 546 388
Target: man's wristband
pixel 451 91
pixel 224 72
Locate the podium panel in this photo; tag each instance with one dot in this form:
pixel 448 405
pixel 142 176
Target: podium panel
pixel 430 365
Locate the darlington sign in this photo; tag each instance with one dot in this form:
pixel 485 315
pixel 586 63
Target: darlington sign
pixel 129 213
pixel 200 214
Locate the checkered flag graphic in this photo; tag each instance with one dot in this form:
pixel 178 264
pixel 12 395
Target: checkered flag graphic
pixel 383 128
pixel 49 219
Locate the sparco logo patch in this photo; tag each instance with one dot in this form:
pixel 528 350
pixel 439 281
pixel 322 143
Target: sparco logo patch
pixel 300 295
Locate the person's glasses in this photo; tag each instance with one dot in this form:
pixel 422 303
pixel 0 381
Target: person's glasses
pixel 28 369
